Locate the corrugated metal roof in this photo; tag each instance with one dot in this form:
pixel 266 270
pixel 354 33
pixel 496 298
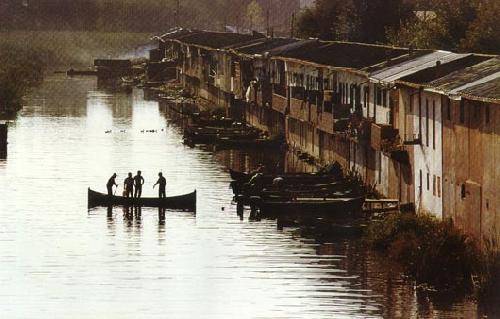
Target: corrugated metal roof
pixel 262 46
pixel 398 71
pixel 175 33
pixel 467 75
pixel 218 40
pixel 487 91
pixel 480 82
pixel 342 54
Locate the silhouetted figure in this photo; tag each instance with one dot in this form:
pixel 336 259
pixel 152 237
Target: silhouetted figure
pixel 162 182
pixel 110 184
pixel 129 185
pixel 138 182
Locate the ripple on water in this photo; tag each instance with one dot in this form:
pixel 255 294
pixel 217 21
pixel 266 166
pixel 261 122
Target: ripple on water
pixel 60 260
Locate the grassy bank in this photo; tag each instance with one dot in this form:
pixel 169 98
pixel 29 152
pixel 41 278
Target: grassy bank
pixel 434 252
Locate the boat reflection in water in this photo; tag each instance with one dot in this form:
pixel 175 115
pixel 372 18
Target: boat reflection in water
pixel 167 263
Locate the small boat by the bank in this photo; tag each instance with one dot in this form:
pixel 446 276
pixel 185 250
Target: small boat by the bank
pixel 180 202
pixel 72 72
pixel 209 136
pixel 289 178
pixel 296 189
pixel 306 206
pixel 231 142
pixel 290 196
pixel 223 122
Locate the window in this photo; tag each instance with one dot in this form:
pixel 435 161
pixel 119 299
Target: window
pixel 446 107
pixel 428 181
pixel 427 122
pixel 433 124
pixel 462 191
pixel 477 112
pixel 365 97
pixel 347 93
pixel 384 98
pixel 380 167
pixel 378 96
pixel 434 185
pixel 462 111
pixel 438 186
pixel 420 182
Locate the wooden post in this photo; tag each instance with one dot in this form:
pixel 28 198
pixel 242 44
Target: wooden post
pixel 3 140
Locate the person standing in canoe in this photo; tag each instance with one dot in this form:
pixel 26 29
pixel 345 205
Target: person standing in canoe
pixel 129 186
pixel 111 183
pixel 162 182
pixel 138 182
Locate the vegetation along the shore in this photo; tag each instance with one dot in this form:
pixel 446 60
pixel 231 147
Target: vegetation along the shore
pixel 20 68
pixel 434 252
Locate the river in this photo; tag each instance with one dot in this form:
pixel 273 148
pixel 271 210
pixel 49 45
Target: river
pixel 61 260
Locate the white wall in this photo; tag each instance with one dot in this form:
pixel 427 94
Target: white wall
pixel 382 112
pixel 428 156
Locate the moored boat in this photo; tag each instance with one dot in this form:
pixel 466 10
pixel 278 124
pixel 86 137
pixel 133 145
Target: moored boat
pixel 231 142
pixel 289 178
pixel 181 202
pixel 328 206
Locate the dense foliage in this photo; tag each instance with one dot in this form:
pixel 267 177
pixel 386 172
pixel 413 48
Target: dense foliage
pixel 143 15
pixel 20 69
pixel 463 25
pixel 431 250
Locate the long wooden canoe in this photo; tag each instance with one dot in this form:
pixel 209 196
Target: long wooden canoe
pixel 181 202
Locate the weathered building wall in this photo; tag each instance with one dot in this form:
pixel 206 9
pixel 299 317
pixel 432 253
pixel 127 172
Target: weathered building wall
pixel 471 170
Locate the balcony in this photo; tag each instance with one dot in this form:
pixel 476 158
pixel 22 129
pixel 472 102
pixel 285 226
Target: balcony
pixel 280 103
pixel 412 139
pixel 326 122
pixel 341 111
pixel 299 109
pixel 386 139
pixel 359 129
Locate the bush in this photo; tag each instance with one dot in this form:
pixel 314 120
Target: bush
pixel 431 251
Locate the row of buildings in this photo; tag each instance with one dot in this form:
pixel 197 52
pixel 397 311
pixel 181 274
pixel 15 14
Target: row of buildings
pixel 422 126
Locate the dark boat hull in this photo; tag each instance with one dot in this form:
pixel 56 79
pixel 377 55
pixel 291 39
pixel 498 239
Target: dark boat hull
pixel 181 202
pixel 330 207
pixel 228 142
pixel 290 178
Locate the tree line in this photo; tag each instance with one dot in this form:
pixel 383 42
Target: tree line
pixel 144 15
pixel 461 25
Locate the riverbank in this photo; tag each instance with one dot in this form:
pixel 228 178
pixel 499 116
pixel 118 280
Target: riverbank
pixel 436 254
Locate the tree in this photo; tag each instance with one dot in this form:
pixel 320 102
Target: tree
pixel 483 34
pixel 254 15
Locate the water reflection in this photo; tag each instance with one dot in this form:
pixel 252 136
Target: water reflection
pixel 155 263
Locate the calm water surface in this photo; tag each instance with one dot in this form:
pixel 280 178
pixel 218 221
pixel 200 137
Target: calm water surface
pixel 59 260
